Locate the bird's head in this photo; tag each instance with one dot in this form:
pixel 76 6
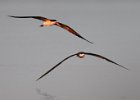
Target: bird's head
pixel 81 54
pixel 41 25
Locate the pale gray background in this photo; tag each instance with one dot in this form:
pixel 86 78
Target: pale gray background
pixel 27 51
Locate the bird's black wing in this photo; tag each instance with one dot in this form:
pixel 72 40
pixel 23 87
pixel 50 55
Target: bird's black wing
pixel 66 27
pixel 99 56
pixel 35 17
pixel 55 66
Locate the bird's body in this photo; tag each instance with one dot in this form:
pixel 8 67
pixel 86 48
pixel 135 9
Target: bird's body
pixel 51 22
pixel 48 23
pixel 82 55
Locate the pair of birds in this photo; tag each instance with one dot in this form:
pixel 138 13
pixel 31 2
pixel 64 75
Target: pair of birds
pixel 51 22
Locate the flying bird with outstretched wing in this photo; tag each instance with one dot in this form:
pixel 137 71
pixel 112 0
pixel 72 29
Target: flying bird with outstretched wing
pixel 50 22
pixel 82 55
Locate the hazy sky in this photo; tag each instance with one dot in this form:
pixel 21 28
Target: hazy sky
pixel 27 51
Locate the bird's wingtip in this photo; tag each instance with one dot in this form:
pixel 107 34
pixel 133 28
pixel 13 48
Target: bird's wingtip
pixel 124 67
pixel 37 79
pixel 9 15
pixel 90 42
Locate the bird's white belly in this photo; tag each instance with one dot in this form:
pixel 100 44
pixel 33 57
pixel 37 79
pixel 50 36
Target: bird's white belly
pixel 48 23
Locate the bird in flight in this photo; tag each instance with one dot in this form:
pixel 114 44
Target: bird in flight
pixel 82 55
pixel 51 22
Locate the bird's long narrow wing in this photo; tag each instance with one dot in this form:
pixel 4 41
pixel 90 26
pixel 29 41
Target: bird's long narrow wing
pixel 55 66
pixel 99 56
pixel 66 27
pixel 35 17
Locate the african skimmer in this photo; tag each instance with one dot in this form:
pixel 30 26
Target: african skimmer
pixel 51 22
pixel 82 55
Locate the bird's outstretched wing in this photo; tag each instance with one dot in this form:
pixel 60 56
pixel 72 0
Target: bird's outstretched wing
pixel 66 27
pixel 102 57
pixel 35 17
pixel 55 66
